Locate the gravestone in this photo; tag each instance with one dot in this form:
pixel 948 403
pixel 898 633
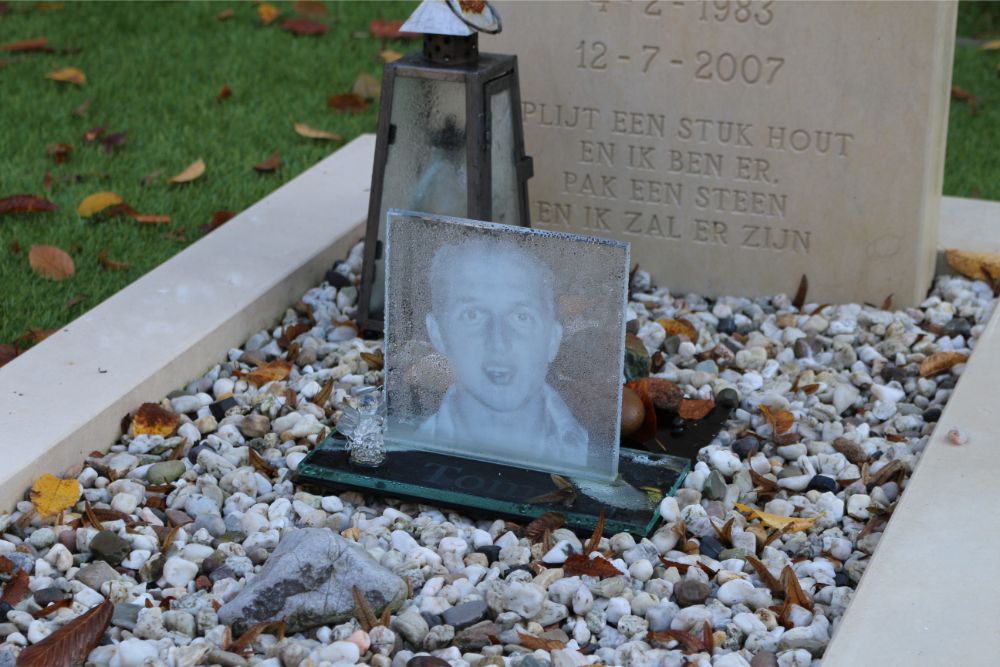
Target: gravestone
pixel 739 145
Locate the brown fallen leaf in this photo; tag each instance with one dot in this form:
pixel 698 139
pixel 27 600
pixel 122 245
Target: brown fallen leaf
pixel 70 644
pixel 782 523
pixel 304 27
pixel 8 353
pixel 347 102
pixel 113 141
pixel 151 219
pixel 780 420
pixel 25 45
pixel 765 575
pixel 260 463
pixel 225 15
pixel 52 608
pixel 304 130
pixel 800 294
pixel 939 362
pixel 267 13
pixel 291 332
pixel 690 643
pixel 51 495
pixel 695 408
pixel 51 262
pixel 390 56
pixel 366 86
pixel 152 177
pixel 681 328
pixel 533 643
pixel 564 493
pixel 26 204
pixel 992 45
pixel 220 218
pixel 363 610
pixel 108 264
pixel 59 151
pixel 15 247
pixel 191 173
pixel 272 163
pixel 154 419
pixel 273 371
pixel 35 335
pixel 595 536
pixel 68 75
pixel 16 589
pixel 578 564
pixel 962 95
pixel 383 29
pixel 974 265
pixel 887 303
pixel 243 644
pixel 375 360
pixel 224 93
pixel 547 521
pixel 94 133
pixel 793 590
pixel 309 7
pixel 96 203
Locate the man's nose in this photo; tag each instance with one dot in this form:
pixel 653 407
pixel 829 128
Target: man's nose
pixel 498 336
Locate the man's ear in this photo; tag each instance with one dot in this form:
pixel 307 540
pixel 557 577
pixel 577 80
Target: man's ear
pixel 555 340
pixel 434 333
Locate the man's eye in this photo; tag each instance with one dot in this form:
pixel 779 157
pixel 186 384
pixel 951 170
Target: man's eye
pixel 470 315
pixel 524 317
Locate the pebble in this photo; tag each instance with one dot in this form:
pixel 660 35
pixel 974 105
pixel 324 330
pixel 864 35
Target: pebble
pixel 691 592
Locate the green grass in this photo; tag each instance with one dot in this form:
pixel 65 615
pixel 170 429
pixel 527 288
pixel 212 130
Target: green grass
pixel 154 70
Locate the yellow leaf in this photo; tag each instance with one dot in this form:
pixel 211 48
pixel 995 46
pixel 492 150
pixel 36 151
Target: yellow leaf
pixel 366 86
pixel 939 362
pixel 68 75
pixel 974 265
pixel 267 12
pixel 680 328
pixel 97 202
pixel 153 419
pixel 193 171
pixel 783 523
pixel 390 56
pixel 304 130
pixel 992 45
pixel 52 495
pixel 780 420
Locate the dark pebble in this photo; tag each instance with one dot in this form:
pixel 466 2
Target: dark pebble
pixel 932 415
pixel 427 661
pixel 45 596
pixel 841 579
pixel 219 408
pixel 110 548
pixel 491 551
pixel 822 483
pixel 220 573
pixel 632 326
pixel 463 615
pixel 515 568
pixel 746 447
pixel 728 398
pixel 258 556
pixel 4 608
pixel 677 426
pixel 732 345
pixel 807 347
pixel 532 661
pixel 672 344
pixel 727 325
pixel 711 547
pixel 958 326
pixel 688 592
pixel 890 373
pixel 432 619
pixel 336 278
pixel 193 452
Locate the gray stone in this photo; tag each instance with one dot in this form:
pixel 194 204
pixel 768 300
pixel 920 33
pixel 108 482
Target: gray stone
pixel 44 596
pixel 715 486
pixel 691 592
pixel 126 615
pixel 477 636
pixel 465 614
pixel 7 657
pixel 95 574
pixel 411 625
pixel 307 581
pixel 107 546
pixel 21 561
pixel 165 472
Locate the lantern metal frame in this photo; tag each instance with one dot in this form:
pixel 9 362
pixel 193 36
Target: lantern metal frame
pixel 487 75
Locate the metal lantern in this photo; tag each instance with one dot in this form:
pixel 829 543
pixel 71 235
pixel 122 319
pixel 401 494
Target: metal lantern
pixel 450 139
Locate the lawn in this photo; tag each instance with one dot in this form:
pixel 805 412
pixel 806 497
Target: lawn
pixel 154 72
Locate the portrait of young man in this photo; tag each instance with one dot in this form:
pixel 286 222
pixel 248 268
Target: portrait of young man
pixel 504 343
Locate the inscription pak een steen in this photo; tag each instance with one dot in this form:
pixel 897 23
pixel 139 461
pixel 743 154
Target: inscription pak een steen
pixel 738 145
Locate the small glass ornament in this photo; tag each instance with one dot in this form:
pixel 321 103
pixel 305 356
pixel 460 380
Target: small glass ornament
pixel 363 427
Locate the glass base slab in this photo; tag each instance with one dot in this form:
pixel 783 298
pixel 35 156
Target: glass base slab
pixel 499 491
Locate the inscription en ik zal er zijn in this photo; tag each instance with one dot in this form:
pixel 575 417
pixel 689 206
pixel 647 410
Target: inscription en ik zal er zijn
pixel 702 180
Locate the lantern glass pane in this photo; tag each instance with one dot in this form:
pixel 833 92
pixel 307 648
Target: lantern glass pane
pixel 504 168
pixel 425 166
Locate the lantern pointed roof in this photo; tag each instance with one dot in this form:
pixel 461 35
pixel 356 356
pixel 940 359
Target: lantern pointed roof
pixel 435 17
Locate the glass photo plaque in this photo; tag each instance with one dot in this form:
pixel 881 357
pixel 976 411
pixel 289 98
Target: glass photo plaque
pixel 504 344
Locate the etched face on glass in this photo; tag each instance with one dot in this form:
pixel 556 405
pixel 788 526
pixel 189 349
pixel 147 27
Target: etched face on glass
pixel 494 319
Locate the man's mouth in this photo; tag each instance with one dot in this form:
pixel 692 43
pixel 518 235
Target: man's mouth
pixel 499 374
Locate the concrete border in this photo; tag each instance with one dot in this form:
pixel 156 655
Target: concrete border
pixel 66 396
pixel 924 600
